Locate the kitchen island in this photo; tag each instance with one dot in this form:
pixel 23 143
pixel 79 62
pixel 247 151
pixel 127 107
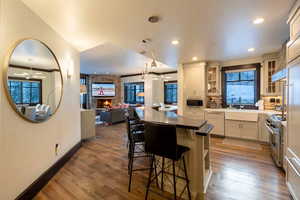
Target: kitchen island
pixel 194 134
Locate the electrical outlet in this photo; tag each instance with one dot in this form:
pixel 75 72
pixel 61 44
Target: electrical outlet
pixel 57 147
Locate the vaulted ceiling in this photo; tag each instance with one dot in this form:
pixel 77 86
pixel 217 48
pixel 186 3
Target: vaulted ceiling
pixel 208 29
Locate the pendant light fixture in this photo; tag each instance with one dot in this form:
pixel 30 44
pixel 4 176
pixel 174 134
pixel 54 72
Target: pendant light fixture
pixel 151 66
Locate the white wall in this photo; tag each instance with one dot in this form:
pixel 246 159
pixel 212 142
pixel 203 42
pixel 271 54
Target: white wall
pixel 27 149
pixel 153 86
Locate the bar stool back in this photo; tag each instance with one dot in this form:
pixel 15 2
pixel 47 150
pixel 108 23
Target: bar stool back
pixel 161 140
pixel 135 133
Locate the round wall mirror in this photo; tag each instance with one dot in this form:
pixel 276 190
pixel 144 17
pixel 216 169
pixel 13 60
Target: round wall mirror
pixel 33 80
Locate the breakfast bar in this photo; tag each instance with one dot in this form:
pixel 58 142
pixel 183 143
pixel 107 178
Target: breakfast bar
pixel 191 133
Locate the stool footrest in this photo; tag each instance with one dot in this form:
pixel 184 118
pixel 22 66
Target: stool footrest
pixel 205 130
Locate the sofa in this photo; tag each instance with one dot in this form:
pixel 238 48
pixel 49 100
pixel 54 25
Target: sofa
pixel 113 116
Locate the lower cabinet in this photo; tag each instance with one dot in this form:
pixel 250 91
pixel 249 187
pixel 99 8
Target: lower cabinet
pixel 245 127
pixel 249 130
pixel 217 119
pixel 293 174
pixel 241 129
pixel 88 124
pixel 232 128
pixel 263 131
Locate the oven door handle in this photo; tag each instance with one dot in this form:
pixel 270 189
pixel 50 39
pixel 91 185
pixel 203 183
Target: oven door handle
pixel 269 129
pixel 291 163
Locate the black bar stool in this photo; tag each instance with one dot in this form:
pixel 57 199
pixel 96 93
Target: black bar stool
pixel 161 140
pixel 136 142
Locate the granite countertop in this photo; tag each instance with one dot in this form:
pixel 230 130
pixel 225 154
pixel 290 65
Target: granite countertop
pixel 242 110
pixel 168 108
pixel 148 114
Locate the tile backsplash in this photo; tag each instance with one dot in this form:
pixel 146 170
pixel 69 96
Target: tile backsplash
pixel 214 102
pixel 271 102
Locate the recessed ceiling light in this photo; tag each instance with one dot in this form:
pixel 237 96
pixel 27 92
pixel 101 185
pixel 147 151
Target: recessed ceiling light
pixel 153 19
pixel 251 49
pixel 259 20
pixel 40 77
pixel 194 58
pixel 175 42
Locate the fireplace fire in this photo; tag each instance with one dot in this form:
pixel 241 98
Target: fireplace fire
pixel 104 103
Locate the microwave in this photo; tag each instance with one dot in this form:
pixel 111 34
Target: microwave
pixel 194 102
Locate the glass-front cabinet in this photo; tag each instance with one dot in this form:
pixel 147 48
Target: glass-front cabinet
pixel 271 69
pixel 213 80
pixel 271 65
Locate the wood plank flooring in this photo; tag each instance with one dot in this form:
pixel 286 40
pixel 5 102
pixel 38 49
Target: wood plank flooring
pixel 99 171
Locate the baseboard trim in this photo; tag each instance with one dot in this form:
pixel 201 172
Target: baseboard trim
pixel 38 184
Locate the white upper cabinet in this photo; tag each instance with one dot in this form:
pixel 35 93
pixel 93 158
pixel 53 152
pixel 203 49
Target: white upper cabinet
pixel 294 26
pixel 293 46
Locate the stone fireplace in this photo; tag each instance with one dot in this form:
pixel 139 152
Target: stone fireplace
pixel 103 103
pixel 98 102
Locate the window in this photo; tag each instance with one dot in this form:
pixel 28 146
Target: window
pixel 84 97
pixel 134 93
pixel 26 91
pixel 82 80
pixel 170 92
pixel 241 87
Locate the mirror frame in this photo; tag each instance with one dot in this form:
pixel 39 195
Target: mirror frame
pixel 5 79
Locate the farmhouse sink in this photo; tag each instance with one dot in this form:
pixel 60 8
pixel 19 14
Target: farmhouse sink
pixel 241 115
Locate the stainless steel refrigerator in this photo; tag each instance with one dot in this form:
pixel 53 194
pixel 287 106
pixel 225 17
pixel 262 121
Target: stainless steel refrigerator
pixel 293 135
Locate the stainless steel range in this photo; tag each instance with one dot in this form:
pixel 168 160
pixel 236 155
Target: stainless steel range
pixel 275 128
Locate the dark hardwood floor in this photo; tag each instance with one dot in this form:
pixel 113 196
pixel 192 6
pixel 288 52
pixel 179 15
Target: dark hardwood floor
pixel 241 171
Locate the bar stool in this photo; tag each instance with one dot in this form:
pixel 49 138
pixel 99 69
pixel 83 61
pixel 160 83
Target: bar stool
pixel 161 140
pixel 136 142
